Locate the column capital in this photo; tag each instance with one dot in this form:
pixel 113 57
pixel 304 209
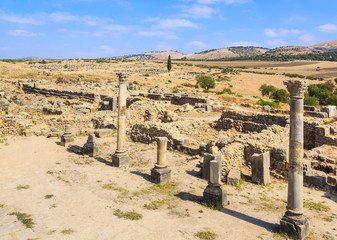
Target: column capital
pixel 296 88
pixel 123 77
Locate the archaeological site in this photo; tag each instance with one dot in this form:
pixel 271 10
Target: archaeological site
pixel 125 149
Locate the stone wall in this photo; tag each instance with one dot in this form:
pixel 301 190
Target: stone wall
pixel 177 99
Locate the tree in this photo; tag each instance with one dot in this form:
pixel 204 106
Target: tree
pixel 205 82
pixel 267 90
pixel 169 64
pixel 281 95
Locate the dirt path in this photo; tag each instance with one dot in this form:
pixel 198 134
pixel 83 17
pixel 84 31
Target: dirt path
pixel 73 197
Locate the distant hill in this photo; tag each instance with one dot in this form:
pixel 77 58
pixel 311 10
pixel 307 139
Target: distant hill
pixel 241 52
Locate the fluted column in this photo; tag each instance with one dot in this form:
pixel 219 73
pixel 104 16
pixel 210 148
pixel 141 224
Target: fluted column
pixel 120 157
pixel 294 223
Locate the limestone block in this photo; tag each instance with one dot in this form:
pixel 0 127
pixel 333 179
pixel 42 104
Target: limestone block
pixel 205 174
pixel 315 180
pixel 234 177
pixel 330 110
pixel 260 168
pixel 332 180
pixel 106 132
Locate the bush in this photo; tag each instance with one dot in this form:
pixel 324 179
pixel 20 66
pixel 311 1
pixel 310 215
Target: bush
pixel 225 90
pixel 311 100
pixel 321 91
pixel 281 95
pixel 205 82
pixel 332 100
pixel 267 90
pixel 336 80
pixel 273 104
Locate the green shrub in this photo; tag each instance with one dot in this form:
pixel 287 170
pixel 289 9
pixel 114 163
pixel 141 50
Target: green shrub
pixel 281 95
pixel 205 82
pixel 311 100
pixel 335 80
pixel 267 90
pixel 332 100
pixel 225 90
pixel 273 104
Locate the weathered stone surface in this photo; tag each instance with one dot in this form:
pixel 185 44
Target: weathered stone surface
pixel 260 168
pixel 330 110
pixel 316 114
pixel 160 174
pixel 104 132
pixel 316 180
pixel 120 159
pixel 332 180
pixel 294 226
pixel 234 177
pixel 90 148
pixel 215 196
pixel 205 174
pixel 51 111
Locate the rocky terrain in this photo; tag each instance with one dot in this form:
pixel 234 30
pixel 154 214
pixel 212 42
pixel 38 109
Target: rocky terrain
pixel 59 186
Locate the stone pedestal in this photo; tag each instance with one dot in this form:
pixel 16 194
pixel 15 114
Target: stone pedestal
pixel 161 173
pixel 295 225
pixel 90 148
pixel 67 138
pixel 121 158
pixel 293 222
pixel 214 194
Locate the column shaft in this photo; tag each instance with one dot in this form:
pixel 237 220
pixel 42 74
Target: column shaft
pixel 121 116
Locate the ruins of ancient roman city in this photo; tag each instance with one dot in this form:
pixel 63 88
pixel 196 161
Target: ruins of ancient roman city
pixel 185 162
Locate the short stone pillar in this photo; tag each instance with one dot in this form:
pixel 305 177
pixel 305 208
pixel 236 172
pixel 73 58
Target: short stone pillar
pixel 121 158
pixel 293 222
pixel 260 168
pixel 214 194
pixel 67 138
pixel 90 147
pixel 205 173
pixel 161 173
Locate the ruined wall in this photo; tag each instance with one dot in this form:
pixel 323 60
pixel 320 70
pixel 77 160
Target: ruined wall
pixel 177 99
pixel 66 94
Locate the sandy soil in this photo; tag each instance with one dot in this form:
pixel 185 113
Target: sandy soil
pixel 81 206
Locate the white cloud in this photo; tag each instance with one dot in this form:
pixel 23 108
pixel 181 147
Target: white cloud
pixel 277 43
pixel 327 28
pixel 176 23
pixel 281 32
pixel 197 11
pixel 297 18
pixel 168 35
pixel 151 19
pixel 241 44
pixel 32 19
pixel 307 39
pixel 197 44
pixel 24 33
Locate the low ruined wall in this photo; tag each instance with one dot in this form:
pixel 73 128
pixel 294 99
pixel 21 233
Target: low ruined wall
pixel 66 94
pixel 248 122
pixel 177 99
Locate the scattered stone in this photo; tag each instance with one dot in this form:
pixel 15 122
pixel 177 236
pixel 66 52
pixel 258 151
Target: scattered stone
pixel 234 177
pixel 90 148
pixel 260 164
pixel 106 132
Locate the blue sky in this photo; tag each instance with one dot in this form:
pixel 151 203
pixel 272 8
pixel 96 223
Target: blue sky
pixel 105 28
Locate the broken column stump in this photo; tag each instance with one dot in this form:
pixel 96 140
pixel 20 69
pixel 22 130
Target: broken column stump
pixel 214 194
pixel 67 138
pixel 90 147
pixel 161 173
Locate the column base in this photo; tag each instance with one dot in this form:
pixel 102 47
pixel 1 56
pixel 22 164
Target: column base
pixel 66 140
pixel 120 159
pixel 215 195
pixel 295 225
pixel 160 174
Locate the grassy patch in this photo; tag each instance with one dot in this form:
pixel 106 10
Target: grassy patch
pixel 112 186
pixel 157 204
pixel 48 196
pixel 1 205
pixel 207 235
pixel 22 187
pixel 165 189
pixel 315 206
pixel 131 215
pixel 24 218
pixel 212 207
pixel 67 231
pixel 279 236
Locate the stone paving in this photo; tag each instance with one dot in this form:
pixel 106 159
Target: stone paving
pixel 12 229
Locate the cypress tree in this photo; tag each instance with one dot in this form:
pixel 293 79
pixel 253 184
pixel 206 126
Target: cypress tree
pixel 169 66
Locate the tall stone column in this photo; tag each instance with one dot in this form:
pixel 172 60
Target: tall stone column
pixel 121 158
pixel 161 173
pixel 293 222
